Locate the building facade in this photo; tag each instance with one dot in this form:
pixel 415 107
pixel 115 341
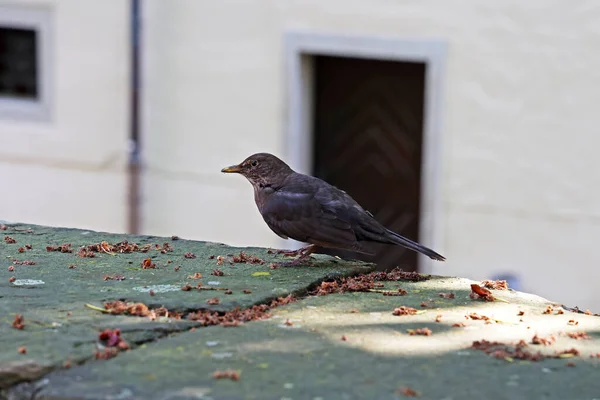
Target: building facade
pixel 498 119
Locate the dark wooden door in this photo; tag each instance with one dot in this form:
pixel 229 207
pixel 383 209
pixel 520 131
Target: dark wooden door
pixel 368 127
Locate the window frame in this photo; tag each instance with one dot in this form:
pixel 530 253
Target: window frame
pixel 39 20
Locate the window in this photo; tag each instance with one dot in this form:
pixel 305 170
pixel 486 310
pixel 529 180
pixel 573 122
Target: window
pixel 18 63
pixel 25 65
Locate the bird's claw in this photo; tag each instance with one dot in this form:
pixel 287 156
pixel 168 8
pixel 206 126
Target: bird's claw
pixel 298 261
pixel 289 253
pixel 304 256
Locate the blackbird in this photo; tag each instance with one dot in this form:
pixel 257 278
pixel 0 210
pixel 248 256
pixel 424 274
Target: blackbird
pixel 311 210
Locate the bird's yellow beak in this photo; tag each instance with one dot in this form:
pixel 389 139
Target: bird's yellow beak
pixel 232 169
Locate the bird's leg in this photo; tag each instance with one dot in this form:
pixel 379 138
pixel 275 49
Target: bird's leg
pixel 304 252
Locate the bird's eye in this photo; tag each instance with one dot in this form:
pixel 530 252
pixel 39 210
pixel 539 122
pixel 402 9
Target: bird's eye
pixel 254 163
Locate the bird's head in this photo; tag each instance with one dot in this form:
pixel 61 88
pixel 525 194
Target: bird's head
pixel 261 168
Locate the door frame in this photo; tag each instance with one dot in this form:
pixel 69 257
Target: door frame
pixel 300 49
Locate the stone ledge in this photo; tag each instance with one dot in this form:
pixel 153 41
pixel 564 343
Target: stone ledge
pixel 342 345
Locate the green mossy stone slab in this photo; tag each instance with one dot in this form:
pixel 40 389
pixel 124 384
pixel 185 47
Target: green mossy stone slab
pixel 351 346
pixel 52 297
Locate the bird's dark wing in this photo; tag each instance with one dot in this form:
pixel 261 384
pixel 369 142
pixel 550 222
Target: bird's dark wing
pixel 305 210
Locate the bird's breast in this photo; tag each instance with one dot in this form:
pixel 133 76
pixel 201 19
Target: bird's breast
pixel 261 196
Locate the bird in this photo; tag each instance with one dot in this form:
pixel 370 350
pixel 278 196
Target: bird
pixel 310 210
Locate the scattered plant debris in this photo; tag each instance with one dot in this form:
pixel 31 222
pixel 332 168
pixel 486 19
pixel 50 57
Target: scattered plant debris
pixel 230 318
pixel 577 310
pixel 546 341
pixel 84 253
pixel 120 247
pixel 18 322
pixel 403 310
pixel 114 277
pixel 578 335
pixel 227 374
pixel 496 285
pixel 166 248
pixel 399 292
pixel 572 352
pixel 420 331
pixel 506 352
pixel 238 316
pixel 476 316
pixel 407 392
pixel 367 282
pixel 63 248
pixel 478 292
pixel 112 338
pixel 510 352
pixel 118 307
pixel 9 240
pixel 397 274
pixel 148 264
pixel 26 262
pixel 247 259
pixel 213 301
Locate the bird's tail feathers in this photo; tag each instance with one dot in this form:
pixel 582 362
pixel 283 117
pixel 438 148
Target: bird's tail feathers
pixel 401 240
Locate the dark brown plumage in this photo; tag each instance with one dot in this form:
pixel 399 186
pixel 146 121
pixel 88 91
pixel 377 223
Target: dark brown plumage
pixel 310 210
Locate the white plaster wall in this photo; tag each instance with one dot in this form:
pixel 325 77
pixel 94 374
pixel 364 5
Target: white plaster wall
pixel 70 171
pixel 521 178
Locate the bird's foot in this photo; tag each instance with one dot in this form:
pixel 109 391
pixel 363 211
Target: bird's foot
pixel 298 261
pixel 289 253
pixel 304 254
pixel 295 253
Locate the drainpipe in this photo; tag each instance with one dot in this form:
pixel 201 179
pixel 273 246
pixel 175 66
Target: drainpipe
pixel 133 224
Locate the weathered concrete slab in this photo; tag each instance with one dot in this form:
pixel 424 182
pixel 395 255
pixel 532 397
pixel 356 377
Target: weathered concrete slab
pixel 52 292
pixel 351 346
